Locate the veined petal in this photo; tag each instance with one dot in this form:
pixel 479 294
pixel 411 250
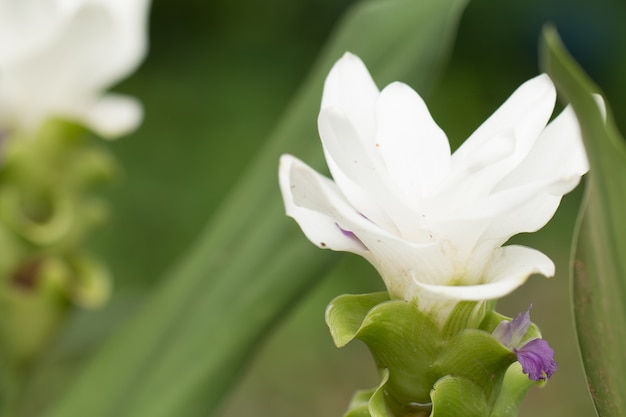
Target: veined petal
pixel 415 150
pixel 321 229
pixel 510 268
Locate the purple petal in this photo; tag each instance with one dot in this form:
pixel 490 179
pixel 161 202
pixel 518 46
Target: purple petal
pixel 510 334
pixel 537 359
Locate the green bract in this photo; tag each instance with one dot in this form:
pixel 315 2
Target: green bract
pixel 427 369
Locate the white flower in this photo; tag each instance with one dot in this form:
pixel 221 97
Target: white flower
pixel 58 56
pixel 431 222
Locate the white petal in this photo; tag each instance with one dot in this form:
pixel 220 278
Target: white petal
pixel 26 25
pixel 415 150
pixel 112 116
pixel 498 217
pixel 560 141
pixel 350 87
pixel 509 269
pixel 95 47
pixel 513 261
pixel 352 158
pixel 396 259
pixel 392 256
pixel 73 62
pixel 347 128
pixel 528 218
pixel 501 143
pixel 42 84
pixel 319 228
pixel 527 198
pixel 129 38
pixel 463 236
pixel 360 173
pixel 526 111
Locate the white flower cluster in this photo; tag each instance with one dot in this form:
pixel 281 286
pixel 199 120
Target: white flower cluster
pixel 432 222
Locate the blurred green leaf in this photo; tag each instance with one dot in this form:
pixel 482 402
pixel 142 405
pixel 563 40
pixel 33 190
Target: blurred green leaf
pixel 181 352
pixel 599 269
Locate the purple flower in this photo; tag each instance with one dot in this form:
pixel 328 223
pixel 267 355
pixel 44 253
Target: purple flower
pixel 537 359
pixel 511 333
pixel 536 356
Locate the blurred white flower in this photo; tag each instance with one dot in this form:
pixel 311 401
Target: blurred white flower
pixel 58 56
pixel 431 222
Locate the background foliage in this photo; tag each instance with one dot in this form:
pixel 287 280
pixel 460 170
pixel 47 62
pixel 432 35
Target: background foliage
pixel 217 79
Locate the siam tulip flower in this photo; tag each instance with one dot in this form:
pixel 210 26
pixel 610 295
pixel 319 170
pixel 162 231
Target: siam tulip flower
pixel 58 56
pixel 535 356
pixel 432 222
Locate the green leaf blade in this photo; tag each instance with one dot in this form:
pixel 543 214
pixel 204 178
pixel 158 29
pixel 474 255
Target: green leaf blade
pixel 599 269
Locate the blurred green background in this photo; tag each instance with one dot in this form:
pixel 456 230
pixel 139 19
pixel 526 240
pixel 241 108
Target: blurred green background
pixel 217 78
